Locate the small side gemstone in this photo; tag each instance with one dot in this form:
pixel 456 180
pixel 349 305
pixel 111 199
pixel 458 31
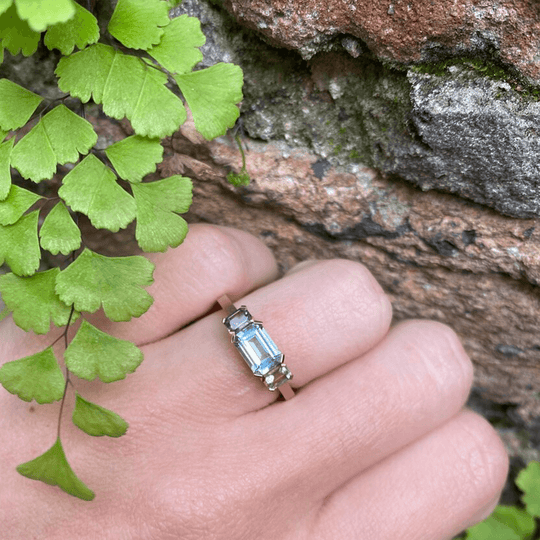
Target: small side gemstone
pixel 238 319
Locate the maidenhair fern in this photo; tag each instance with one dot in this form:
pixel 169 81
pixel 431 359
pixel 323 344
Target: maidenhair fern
pixel 136 70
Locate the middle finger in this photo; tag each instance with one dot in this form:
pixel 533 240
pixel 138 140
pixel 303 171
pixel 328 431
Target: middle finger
pixel 320 317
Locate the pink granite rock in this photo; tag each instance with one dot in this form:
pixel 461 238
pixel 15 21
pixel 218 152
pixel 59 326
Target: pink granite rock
pixel 402 30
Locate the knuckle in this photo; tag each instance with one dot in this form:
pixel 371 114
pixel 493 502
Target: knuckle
pixel 352 273
pixel 221 254
pixel 441 350
pixel 354 290
pixel 481 457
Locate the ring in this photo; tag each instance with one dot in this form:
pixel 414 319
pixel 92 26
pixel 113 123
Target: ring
pixel 257 348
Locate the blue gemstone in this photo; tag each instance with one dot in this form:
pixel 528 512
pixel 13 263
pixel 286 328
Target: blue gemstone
pixel 258 350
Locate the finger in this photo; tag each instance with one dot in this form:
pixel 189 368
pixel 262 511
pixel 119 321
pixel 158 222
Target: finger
pixel 345 422
pixel 212 261
pixel 16 343
pixel 431 490
pixel 302 266
pixel 320 317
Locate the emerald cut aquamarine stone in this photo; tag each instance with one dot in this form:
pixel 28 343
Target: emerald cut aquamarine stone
pixel 253 342
pixel 257 349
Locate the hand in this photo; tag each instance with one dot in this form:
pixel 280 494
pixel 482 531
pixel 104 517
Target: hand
pixel 376 444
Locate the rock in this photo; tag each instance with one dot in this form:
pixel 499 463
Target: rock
pixel 450 128
pixel 401 31
pixel 458 131
pixel 477 137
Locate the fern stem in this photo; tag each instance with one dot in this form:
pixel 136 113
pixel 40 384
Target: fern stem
pixel 239 143
pixel 62 404
pixel 56 340
pixel 66 343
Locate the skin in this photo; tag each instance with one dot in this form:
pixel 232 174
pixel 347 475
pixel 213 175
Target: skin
pixel 376 444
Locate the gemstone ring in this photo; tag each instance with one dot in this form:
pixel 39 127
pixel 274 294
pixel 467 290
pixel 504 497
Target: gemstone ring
pixel 257 348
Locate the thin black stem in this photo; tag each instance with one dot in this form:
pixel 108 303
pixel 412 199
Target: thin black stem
pixel 62 404
pixel 66 343
pixel 56 340
pixel 68 322
pixel 146 58
pixel 102 156
pixel 44 201
pixel 47 105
